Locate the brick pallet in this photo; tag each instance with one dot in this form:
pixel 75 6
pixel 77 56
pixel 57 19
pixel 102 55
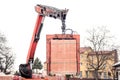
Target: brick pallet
pixel 63 54
pixel 6 78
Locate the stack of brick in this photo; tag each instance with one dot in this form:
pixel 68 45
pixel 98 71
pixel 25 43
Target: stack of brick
pixel 56 78
pixel 30 79
pixel 63 54
pixel 17 78
pixel 6 78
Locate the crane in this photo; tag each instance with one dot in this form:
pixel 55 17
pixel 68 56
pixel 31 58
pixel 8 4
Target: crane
pixel 43 11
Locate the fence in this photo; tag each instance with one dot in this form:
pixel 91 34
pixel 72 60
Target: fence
pixel 47 78
pixel 85 79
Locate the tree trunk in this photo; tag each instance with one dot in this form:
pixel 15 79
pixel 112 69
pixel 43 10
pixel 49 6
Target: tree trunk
pixel 96 74
pixel 5 70
pixel 36 71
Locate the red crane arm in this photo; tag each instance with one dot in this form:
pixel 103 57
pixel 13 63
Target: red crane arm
pixel 43 11
pixel 35 38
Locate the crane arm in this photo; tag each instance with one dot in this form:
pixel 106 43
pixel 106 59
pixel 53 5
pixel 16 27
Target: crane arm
pixel 35 39
pixel 43 11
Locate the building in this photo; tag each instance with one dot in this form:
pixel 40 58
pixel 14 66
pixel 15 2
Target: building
pixel 63 57
pixel 116 68
pixel 87 54
pixel 83 61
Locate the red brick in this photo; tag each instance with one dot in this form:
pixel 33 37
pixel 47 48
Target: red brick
pixel 30 79
pixel 6 78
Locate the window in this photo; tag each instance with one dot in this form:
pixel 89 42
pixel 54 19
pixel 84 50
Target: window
pixel 81 56
pixel 105 75
pixel 80 74
pixel 100 74
pixel 80 63
pixel 86 74
pixel 104 65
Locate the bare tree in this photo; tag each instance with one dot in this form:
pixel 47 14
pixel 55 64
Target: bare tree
pixel 100 41
pixel 2 43
pixel 7 57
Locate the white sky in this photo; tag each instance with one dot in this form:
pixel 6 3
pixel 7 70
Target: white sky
pixel 18 17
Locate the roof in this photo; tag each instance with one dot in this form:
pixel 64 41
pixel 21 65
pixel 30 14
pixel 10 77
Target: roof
pixel 116 64
pixel 101 52
pixel 83 49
